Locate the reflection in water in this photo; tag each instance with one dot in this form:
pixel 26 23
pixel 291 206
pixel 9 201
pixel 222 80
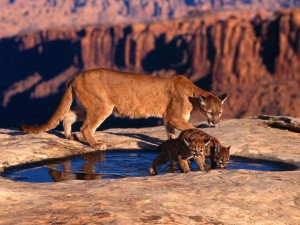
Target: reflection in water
pixel 88 169
pixel 119 164
pixel 104 165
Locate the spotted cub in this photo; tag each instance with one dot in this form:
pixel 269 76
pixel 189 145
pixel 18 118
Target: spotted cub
pixel 180 151
pixel 217 152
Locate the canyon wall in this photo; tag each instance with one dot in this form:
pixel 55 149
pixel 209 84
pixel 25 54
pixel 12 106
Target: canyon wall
pixel 17 16
pixel 257 61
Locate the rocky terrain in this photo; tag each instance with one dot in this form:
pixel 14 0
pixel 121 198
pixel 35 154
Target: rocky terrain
pixel 217 197
pixel 243 48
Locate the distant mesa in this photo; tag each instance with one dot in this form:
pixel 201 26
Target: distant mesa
pixel 49 14
pixel 253 56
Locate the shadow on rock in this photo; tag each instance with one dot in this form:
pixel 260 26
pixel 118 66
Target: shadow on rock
pixel 145 138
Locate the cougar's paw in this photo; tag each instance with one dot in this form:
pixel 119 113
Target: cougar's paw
pixel 204 126
pixel 73 137
pixel 100 146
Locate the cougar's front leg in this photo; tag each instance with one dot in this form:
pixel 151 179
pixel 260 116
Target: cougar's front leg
pixel 184 166
pixel 170 131
pixel 200 160
pixel 179 124
pixel 173 123
pixel 177 118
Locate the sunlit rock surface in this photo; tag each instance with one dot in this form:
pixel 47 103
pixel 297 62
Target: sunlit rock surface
pixel 17 16
pixel 216 197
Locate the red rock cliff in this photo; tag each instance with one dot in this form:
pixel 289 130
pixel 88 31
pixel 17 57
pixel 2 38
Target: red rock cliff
pixel 256 61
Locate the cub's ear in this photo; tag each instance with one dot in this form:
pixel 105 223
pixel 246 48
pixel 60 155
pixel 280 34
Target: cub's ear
pixel 202 100
pixel 186 143
pixel 218 147
pixel 207 143
pixel 222 97
pixel 229 147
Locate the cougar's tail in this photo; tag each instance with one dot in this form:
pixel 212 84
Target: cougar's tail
pixel 63 107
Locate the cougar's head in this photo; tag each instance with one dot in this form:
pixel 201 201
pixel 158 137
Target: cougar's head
pixel 223 155
pixel 196 146
pixel 211 107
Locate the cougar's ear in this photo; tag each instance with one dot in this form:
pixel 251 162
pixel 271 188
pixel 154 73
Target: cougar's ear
pixel 229 147
pixel 222 97
pixel 202 100
pixel 186 143
pixel 207 143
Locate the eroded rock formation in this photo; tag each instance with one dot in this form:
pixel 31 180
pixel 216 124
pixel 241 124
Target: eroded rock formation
pixel 256 61
pixel 29 15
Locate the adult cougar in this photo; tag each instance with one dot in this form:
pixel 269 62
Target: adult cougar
pixel 102 92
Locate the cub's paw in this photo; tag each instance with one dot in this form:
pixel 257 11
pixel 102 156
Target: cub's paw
pixel 202 169
pixel 152 172
pixel 172 136
pixel 100 146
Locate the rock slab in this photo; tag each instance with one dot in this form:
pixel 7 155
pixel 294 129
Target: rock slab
pixel 216 197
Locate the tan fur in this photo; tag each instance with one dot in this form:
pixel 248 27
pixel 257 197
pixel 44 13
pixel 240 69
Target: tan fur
pixel 217 152
pixel 180 151
pixel 102 92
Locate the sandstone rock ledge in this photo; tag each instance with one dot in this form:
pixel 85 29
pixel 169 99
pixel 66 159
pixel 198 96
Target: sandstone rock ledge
pixel 216 197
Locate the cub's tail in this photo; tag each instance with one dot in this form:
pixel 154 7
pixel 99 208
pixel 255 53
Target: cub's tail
pixel 63 107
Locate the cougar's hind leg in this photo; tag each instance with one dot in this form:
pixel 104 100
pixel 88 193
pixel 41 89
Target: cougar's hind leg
pixel 94 117
pixel 173 165
pixel 76 114
pixel 68 120
pixel 213 159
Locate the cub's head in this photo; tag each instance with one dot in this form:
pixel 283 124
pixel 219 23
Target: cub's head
pixel 196 146
pixel 222 155
pixel 211 107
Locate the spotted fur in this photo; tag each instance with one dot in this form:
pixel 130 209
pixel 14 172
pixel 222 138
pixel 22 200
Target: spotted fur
pixel 215 150
pixel 180 152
